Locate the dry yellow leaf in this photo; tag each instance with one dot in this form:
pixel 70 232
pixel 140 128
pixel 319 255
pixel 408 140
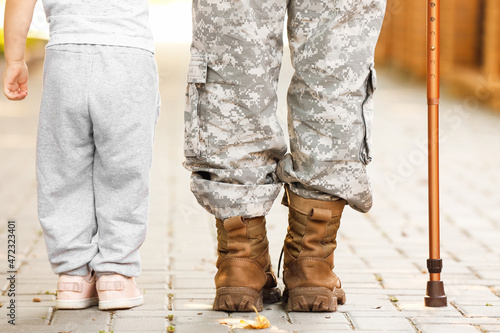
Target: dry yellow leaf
pixel 260 322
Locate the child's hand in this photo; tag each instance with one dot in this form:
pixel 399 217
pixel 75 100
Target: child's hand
pixel 15 81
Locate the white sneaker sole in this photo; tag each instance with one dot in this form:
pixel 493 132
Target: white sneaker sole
pixel 65 304
pixel 126 303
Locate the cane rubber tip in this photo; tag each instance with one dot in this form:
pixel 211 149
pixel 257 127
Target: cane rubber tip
pixel 435 297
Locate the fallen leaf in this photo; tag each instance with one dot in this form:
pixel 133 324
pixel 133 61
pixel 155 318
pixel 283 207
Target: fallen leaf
pixel 261 322
pixel 37 300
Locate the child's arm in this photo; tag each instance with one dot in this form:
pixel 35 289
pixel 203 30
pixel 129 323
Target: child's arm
pixel 17 21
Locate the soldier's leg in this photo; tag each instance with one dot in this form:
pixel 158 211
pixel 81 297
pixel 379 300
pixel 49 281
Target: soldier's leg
pixel 233 139
pixel 330 98
pixel 330 111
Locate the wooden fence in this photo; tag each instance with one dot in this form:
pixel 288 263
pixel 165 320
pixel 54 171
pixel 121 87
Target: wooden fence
pixel 470 44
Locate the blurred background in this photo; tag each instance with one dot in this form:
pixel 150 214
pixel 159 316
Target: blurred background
pixel 470 44
pixel 170 21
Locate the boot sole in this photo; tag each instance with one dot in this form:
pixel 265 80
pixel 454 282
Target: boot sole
pixel 313 299
pixel 241 299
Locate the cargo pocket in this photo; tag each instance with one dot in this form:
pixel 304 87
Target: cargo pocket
pixel 367 115
pixel 194 138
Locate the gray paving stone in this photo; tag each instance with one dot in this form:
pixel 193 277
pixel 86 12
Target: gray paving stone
pixel 28 328
pixel 156 268
pixel 455 320
pixel 490 328
pixel 125 324
pixel 199 264
pixel 21 322
pixel 440 328
pixel 370 287
pixel 205 294
pixel 381 324
pixel 469 292
pixel 201 328
pixel 27 298
pixel 91 318
pixel 302 318
pixel 366 300
pixel 151 278
pixel 495 303
pixel 140 312
pixel 377 331
pixel 191 282
pixel 480 311
pixel 152 287
pixel 206 314
pixel 36 312
pixel 196 320
pixel 149 331
pixel 193 292
pixel 193 304
pixel 316 328
pixel 148 306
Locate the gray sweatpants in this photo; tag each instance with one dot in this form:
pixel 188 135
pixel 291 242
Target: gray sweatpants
pixel 234 145
pixel 99 109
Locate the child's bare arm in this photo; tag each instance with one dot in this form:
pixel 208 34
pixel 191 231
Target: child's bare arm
pixel 17 21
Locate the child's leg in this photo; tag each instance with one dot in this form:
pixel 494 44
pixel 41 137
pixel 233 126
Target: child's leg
pixel 65 153
pixel 124 106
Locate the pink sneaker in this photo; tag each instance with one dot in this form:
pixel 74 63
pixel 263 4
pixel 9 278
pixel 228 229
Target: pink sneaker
pixel 118 292
pixel 76 292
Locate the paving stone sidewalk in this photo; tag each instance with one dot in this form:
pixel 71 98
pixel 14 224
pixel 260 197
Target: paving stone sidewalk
pixel 381 255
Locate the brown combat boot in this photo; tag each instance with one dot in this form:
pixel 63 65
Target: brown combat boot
pixel 244 277
pixel 310 284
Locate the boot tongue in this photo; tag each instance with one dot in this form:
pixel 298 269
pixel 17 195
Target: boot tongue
pixel 254 222
pixel 234 223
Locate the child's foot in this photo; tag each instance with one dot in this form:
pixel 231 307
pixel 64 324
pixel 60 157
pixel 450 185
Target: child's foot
pixel 118 292
pixel 76 292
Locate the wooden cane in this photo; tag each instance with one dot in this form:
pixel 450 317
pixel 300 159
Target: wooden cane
pixel 435 296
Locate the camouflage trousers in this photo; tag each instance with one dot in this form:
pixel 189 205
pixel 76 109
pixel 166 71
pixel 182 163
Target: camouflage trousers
pixel 234 145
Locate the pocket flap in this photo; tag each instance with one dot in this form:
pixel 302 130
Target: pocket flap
pixel 198 68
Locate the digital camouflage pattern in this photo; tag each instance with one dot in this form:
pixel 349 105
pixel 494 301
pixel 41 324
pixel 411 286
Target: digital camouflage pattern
pixel 234 145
